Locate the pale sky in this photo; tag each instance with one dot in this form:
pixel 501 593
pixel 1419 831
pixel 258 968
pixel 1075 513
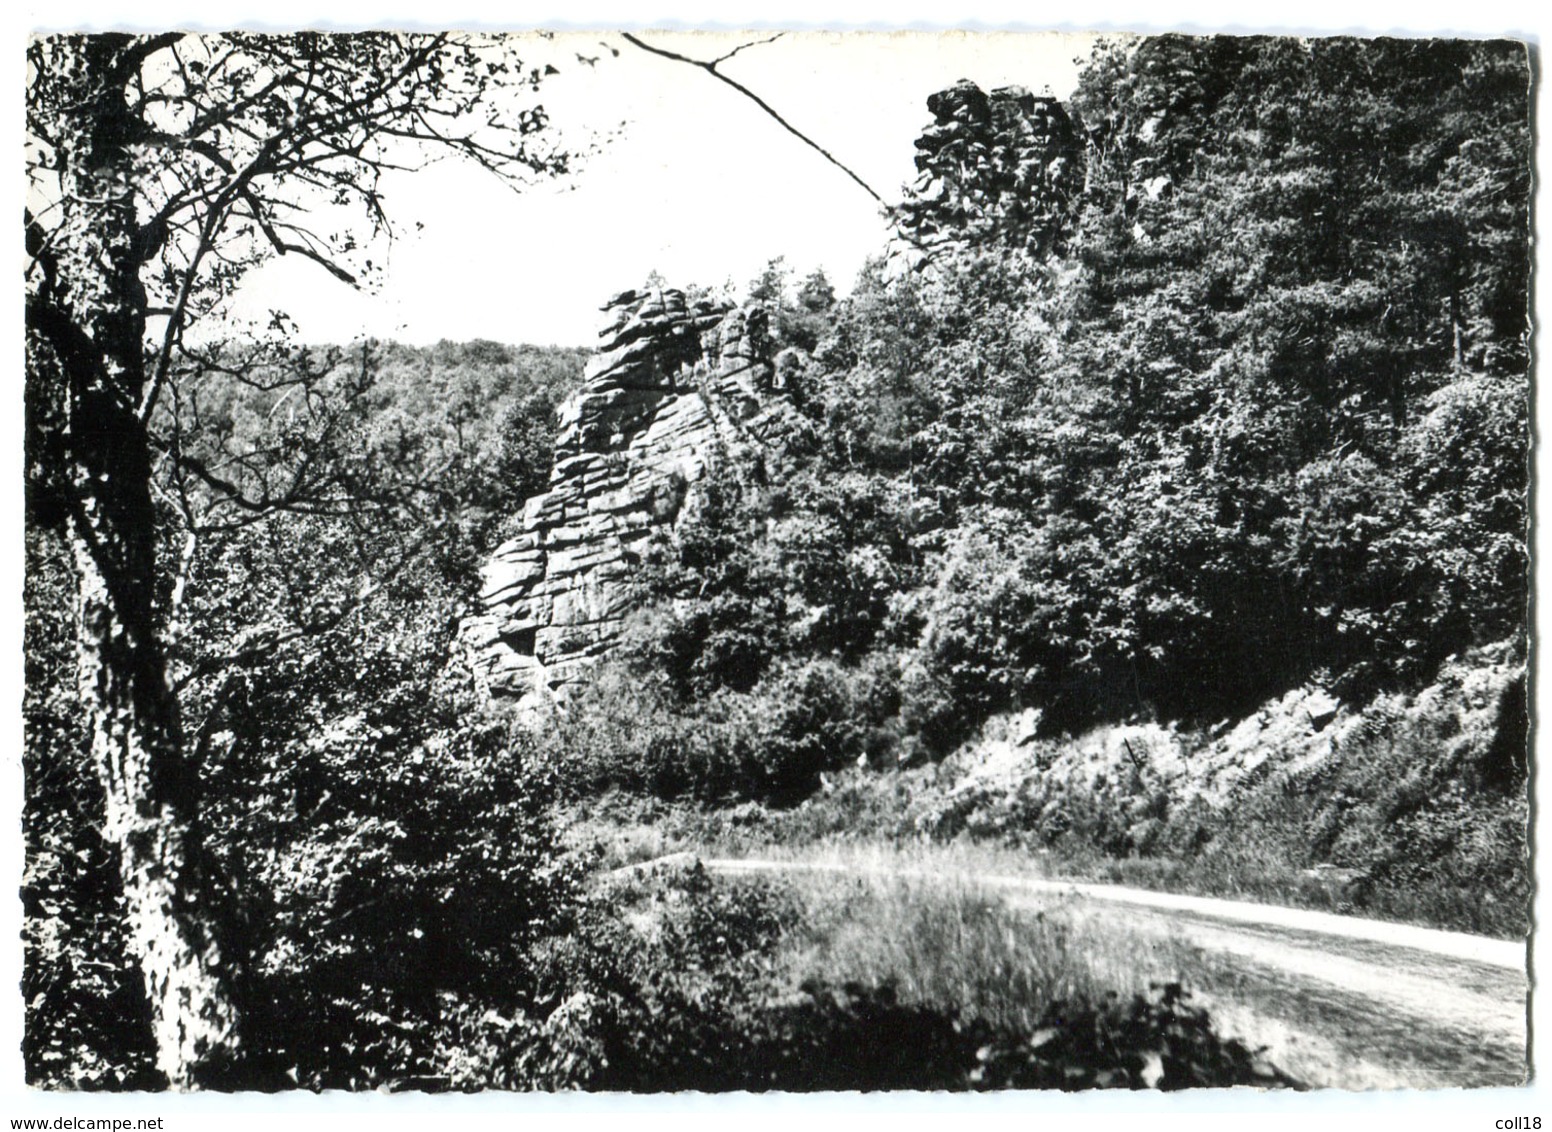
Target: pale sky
pixel 699 184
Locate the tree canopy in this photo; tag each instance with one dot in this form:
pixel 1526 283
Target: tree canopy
pixel 1215 381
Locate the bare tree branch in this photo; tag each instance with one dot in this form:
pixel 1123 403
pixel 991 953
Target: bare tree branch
pixel 746 46
pixel 711 69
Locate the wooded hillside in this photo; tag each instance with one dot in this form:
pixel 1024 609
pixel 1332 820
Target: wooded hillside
pixel 1207 387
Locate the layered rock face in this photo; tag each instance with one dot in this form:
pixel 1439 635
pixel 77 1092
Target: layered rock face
pixel 675 387
pixel 1475 709
pixel 993 168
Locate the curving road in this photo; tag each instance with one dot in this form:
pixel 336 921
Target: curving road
pixel 1336 1001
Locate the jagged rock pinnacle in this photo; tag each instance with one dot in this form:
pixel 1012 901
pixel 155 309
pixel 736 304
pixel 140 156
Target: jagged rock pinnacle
pixel 676 384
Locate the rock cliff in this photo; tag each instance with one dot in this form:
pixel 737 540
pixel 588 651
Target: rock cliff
pixel 1003 167
pixel 676 385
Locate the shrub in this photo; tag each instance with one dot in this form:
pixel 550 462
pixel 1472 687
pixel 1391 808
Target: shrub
pixel 1421 801
pixel 771 743
pixel 384 878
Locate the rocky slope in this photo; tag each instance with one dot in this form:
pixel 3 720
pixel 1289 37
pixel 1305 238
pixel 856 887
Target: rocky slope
pixel 1459 744
pixel 676 385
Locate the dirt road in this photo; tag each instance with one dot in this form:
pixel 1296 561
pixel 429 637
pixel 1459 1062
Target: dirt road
pixel 1337 1001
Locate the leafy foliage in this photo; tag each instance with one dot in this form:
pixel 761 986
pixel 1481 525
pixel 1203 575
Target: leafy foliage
pixel 1416 805
pixel 1225 439
pixel 1213 381
pixel 797 314
pixel 386 845
pixel 393 844
pixel 1181 462
pixel 807 567
pixel 773 743
pixel 396 871
pixel 697 1001
pixel 162 169
pixel 1155 1042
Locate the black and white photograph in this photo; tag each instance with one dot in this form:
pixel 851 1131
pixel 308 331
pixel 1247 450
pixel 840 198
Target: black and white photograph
pixel 783 560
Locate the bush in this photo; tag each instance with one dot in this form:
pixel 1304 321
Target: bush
pixel 1420 803
pixel 754 574
pixel 771 743
pixel 385 875
pixel 1147 1042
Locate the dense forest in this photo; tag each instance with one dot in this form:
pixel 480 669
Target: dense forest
pixel 1207 384
pixel 1240 400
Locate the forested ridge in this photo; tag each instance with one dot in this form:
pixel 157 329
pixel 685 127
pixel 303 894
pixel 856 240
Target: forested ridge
pixel 1210 383
pixel 1263 419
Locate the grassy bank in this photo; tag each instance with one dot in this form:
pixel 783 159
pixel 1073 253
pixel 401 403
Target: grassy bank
pixel 868 981
pixel 1412 807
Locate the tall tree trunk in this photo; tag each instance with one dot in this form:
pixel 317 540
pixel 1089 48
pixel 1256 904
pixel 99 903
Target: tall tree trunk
pixel 136 737
pixel 1457 334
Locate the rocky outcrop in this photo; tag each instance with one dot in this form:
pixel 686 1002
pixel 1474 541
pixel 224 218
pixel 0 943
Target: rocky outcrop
pixel 1469 725
pixel 993 168
pixel 676 385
